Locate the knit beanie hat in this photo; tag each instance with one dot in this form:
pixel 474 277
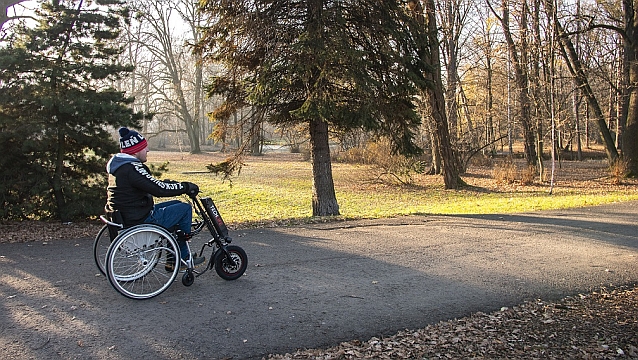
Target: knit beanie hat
pixel 131 141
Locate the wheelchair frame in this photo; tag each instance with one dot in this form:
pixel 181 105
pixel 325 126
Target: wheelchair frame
pixel 134 259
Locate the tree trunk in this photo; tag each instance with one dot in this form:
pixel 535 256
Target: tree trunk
pixel 434 93
pixel 577 98
pixel 490 134
pixel 467 115
pixel 324 200
pixel 255 133
pixel 435 169
pixel 630 136
pixel 535 78
pixel 197 107
pixel 452 72
pixel 576 105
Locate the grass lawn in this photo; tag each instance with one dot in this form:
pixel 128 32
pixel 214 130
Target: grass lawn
pixel 277 189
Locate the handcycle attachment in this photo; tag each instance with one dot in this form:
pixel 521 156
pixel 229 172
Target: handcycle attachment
pixel 143 260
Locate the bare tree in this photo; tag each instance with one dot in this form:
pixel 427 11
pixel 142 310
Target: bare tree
pixel 189 12
pixel 518 54
pixel 485 71
pixel 162 36
pixel 575 66
pixel 538 62
pixel 453 14
pixel 456 16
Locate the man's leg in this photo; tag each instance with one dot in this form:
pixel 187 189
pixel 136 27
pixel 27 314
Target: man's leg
pixel 171 213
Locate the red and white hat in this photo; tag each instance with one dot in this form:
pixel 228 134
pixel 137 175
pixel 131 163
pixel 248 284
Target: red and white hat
pixel 131 141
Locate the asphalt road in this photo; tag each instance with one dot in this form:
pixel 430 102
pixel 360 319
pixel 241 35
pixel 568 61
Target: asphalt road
pixel 313 286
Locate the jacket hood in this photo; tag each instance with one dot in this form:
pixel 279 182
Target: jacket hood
pixel 118 160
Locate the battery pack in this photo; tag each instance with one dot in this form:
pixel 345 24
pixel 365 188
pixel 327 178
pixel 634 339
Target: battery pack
pixel 215 216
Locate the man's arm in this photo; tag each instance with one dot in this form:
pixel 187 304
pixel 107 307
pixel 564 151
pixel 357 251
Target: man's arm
pixel 141 178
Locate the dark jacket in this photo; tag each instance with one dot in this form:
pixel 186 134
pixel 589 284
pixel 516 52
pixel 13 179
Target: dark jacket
pixel 132 187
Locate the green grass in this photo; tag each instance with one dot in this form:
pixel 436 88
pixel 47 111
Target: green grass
pixel 269 191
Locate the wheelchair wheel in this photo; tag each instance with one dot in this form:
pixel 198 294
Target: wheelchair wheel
pixel 101 248
pixel 231 270
pixel 143 262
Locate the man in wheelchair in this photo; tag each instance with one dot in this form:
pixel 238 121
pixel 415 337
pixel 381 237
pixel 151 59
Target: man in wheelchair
pixel 132 187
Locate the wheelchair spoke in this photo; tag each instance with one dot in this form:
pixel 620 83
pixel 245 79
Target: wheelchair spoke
pixel 138 262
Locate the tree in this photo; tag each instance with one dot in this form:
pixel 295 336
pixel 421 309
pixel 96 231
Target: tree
pixel 172 62
pixel 55 108
pixel 327 63
pixel 454 17
pixel 630 140
pixel 4 10
pixel 432 89
pixel 518 55
pixel 568 51
pixel 621 19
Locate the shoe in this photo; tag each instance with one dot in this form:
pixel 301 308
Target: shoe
pixel 197 261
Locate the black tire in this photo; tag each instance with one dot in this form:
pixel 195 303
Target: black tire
pixel 101 248
pixel 225 269
pixel 188 278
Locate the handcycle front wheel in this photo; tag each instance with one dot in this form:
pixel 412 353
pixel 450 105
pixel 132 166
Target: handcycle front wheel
pixel 230 269
pixel 143 262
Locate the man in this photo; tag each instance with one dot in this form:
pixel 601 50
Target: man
pixel 132 187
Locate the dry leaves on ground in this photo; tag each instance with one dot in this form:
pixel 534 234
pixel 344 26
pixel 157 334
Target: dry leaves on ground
pixel 601 325
pixel 29 231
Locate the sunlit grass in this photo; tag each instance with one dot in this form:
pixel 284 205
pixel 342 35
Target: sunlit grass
pixel 466 202
pixel 270 191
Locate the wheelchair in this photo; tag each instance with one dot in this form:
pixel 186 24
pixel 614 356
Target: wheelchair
pixel 143 260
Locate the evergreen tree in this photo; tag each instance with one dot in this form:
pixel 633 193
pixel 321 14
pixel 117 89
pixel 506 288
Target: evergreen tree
pixel 56 107
pixel 340 64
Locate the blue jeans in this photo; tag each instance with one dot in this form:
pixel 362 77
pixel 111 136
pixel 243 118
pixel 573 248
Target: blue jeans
pixel 171 213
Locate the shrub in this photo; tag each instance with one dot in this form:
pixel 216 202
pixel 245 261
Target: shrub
pixel 619 171
pixel 528 175
pixel 481 160
pixel 385 166
pixel 505 171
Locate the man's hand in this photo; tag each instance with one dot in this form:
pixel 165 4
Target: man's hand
pixel 191 189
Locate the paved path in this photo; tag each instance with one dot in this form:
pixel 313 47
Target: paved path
pixel 314 286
